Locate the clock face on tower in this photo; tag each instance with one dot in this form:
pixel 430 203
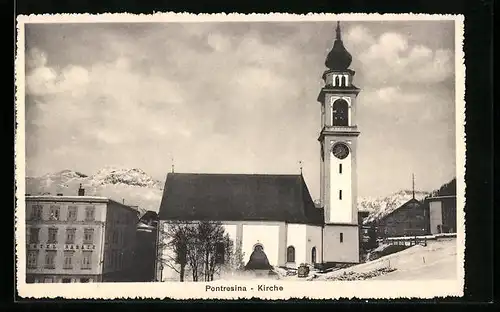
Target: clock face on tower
pixel 340 150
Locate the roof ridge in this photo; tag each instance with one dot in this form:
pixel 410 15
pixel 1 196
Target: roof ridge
pixel 230 196
pixel 236 174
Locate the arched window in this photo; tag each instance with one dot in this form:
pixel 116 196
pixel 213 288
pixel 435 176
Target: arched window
pixel 338 80
pixel 258 247
pixel 290 254
pixel 340 113
pixel 313 255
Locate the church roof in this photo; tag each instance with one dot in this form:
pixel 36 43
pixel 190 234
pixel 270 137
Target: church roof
pixel 238 197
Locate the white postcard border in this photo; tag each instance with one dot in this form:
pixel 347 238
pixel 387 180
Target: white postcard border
pixel 189 290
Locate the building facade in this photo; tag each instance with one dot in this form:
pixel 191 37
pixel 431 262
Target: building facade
pixel 411 219
pixel 72 239
pixel 442 214
pixel 274 215
pixel 146 248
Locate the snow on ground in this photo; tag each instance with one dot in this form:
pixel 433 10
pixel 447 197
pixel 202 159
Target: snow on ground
pixel 437 260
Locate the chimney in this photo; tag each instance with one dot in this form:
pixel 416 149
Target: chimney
pixel 81 191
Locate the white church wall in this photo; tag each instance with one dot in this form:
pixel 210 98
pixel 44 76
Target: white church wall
pixel 314 239
pixel 340 208
pixel 335 250
pixel 268 235
pixel 296 237
pixel 165 272
pixel 249 233
pixel 232 230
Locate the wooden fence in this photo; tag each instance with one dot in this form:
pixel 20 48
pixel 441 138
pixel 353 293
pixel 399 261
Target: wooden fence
pixel 416 240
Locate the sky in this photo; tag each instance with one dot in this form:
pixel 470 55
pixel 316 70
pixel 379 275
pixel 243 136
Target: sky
pixel 238 98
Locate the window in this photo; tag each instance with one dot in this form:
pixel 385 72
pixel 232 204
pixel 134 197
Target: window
pixel 89 213
pixel 290 254
pixel 54 212
pixel 341 237
pixel 70 236
pixel 340 168
pixel 120 260
pixel 72 213
pixel 313 255
pixel 36 212
pixel 106 259
pixel 87 260
pixel 34 235
pixel 340 113
pixel 88 236
pixel 115 237
pixel 340 194
pixel 68 259
pixel 32 259
pixel 220 251
pixel 111 258
pixel 50 256
pixel 52 236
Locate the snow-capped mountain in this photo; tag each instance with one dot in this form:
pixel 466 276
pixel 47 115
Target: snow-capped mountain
pixel 132 186
pixel 132 177
pixel 380 207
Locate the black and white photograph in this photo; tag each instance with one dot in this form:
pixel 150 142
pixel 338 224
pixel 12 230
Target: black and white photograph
pixel 235 156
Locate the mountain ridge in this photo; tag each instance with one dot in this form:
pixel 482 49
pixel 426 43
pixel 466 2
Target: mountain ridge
pixel 129 185
pixel 136 188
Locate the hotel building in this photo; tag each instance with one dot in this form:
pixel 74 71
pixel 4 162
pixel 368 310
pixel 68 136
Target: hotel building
pixel 72 239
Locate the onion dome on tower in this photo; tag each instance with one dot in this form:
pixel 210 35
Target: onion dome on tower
pixel 338 58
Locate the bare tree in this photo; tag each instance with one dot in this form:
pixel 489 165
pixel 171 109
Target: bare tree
pixel 194 253
pixel 175 238
pixel 210 240
pixel 203 246
pixel 235 255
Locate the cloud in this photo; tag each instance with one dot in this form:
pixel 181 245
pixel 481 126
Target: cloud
pixel 44 80
pixel 114 104
pixel 390 59
pixel 225 99
pixel 218 42
pixel 220 93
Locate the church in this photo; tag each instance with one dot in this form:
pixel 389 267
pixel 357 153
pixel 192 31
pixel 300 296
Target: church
pixel 275 214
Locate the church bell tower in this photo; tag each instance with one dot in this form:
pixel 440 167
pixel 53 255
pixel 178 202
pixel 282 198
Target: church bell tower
pixel 338 151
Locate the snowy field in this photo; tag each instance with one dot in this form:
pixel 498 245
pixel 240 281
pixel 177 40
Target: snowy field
pixel 437 260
